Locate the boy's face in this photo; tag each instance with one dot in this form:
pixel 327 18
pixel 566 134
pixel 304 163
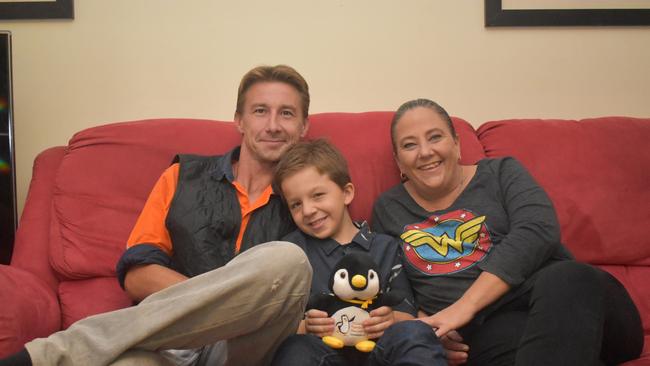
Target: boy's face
pixel 318 205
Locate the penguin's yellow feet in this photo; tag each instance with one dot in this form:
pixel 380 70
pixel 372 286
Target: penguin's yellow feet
pixel 365 346
pixel 333 342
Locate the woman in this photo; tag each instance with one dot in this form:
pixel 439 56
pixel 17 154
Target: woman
pixel 482 251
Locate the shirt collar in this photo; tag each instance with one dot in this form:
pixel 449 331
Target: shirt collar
pixel 363 239
pixel 223 168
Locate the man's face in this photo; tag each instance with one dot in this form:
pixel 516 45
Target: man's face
pixel 270 121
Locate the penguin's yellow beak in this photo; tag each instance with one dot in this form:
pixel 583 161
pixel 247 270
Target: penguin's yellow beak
pixel 358 281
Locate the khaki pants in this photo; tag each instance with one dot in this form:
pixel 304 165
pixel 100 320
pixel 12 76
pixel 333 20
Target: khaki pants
pixel 254 302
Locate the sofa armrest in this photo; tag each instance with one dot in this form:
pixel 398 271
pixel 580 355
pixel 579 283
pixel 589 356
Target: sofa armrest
pixel 31 247
pixel 29 309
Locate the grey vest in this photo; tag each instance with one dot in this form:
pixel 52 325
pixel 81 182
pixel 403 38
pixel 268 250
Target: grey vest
pixel 205 216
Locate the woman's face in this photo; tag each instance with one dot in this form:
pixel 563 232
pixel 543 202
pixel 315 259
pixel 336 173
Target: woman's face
pixel 426 151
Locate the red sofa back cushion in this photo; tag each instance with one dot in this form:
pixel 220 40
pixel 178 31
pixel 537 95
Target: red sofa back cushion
pixel 596 171
pixel 104 179
pixel 108 172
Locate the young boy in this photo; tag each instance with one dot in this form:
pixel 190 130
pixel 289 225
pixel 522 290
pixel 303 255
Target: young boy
pixel 314 181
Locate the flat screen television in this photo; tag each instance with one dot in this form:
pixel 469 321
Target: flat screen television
pixel 8 214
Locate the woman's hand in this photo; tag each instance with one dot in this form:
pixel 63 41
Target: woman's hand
pixel 317 322
pixel 450 318
pixel 456 350
pixel 380 319
pixel 484 291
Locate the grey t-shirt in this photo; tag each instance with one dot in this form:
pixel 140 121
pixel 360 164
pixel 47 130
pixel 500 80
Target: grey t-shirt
pixel 502 223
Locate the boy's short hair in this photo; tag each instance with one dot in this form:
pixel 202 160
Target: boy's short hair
pixel 320 154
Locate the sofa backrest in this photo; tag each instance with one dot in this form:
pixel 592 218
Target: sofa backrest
pixel 104 179
pixel 108 172
pixel 596 172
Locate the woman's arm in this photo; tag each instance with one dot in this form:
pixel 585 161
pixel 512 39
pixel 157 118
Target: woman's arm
pixel 484 291
pixel 533 234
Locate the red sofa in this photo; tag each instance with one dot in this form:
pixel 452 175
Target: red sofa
pixel 85 197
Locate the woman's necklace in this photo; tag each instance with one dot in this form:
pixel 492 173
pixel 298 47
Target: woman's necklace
pixel 461 180
pixel 443 202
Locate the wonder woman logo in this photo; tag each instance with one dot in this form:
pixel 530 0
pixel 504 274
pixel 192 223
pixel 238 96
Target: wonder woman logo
pixel 448 243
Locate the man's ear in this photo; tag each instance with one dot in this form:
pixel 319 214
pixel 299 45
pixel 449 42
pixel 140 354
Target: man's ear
pixel 305 128
pixel 348 193
pixel 237 120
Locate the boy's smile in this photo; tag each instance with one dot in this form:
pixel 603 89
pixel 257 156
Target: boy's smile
pixel 319 206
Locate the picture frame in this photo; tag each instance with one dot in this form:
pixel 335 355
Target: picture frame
pixel 54 9
pixel 496 16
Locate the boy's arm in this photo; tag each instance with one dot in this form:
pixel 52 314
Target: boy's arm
pixel 400 316
pixel 400 286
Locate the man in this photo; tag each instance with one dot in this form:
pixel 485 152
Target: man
pixel 183 257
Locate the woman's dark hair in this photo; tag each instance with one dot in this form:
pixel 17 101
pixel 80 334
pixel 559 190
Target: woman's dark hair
pixel 417 103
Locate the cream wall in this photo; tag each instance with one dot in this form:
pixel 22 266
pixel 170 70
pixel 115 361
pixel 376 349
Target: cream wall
pixel 130 59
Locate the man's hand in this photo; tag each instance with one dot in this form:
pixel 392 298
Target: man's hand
pixel 142 281
pixel 317 322
pixel 380 319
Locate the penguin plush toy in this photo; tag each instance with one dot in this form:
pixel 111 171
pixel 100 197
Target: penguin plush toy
pixel 355 291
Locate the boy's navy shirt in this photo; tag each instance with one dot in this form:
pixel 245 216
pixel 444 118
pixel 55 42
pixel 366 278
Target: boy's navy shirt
pixel 323 254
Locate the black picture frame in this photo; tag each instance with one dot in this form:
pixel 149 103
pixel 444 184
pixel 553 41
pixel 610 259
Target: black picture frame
pixel 8 207
pixel 496 16
pixel 58 9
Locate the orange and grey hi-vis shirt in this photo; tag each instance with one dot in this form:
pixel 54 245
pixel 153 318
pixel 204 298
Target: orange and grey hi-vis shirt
pixel 197 218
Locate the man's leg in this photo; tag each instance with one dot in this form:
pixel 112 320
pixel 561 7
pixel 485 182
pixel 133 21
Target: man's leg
pixel 408 343
pixel 142 358
pixel 264 286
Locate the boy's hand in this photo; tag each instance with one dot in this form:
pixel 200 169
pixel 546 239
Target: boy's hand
pixel 317 322
pixel 380 319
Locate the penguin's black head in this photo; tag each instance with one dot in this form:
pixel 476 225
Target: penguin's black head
pixel 355 277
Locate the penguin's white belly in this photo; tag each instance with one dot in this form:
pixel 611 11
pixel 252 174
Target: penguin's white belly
pixel 348 326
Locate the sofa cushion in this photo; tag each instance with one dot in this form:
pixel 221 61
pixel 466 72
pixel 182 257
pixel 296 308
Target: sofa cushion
pixel 104 179
pixel 108 171
pixel 29 309
pixel 82 298
pixel 364 139
pixel 596 171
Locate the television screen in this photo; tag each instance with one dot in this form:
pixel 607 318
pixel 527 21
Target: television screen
pixel 7 166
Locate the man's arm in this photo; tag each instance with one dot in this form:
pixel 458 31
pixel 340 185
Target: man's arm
pixel 142 281
pixel 145 267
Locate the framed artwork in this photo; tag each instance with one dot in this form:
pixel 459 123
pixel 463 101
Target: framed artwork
pixel 49 9
pixel 534 13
